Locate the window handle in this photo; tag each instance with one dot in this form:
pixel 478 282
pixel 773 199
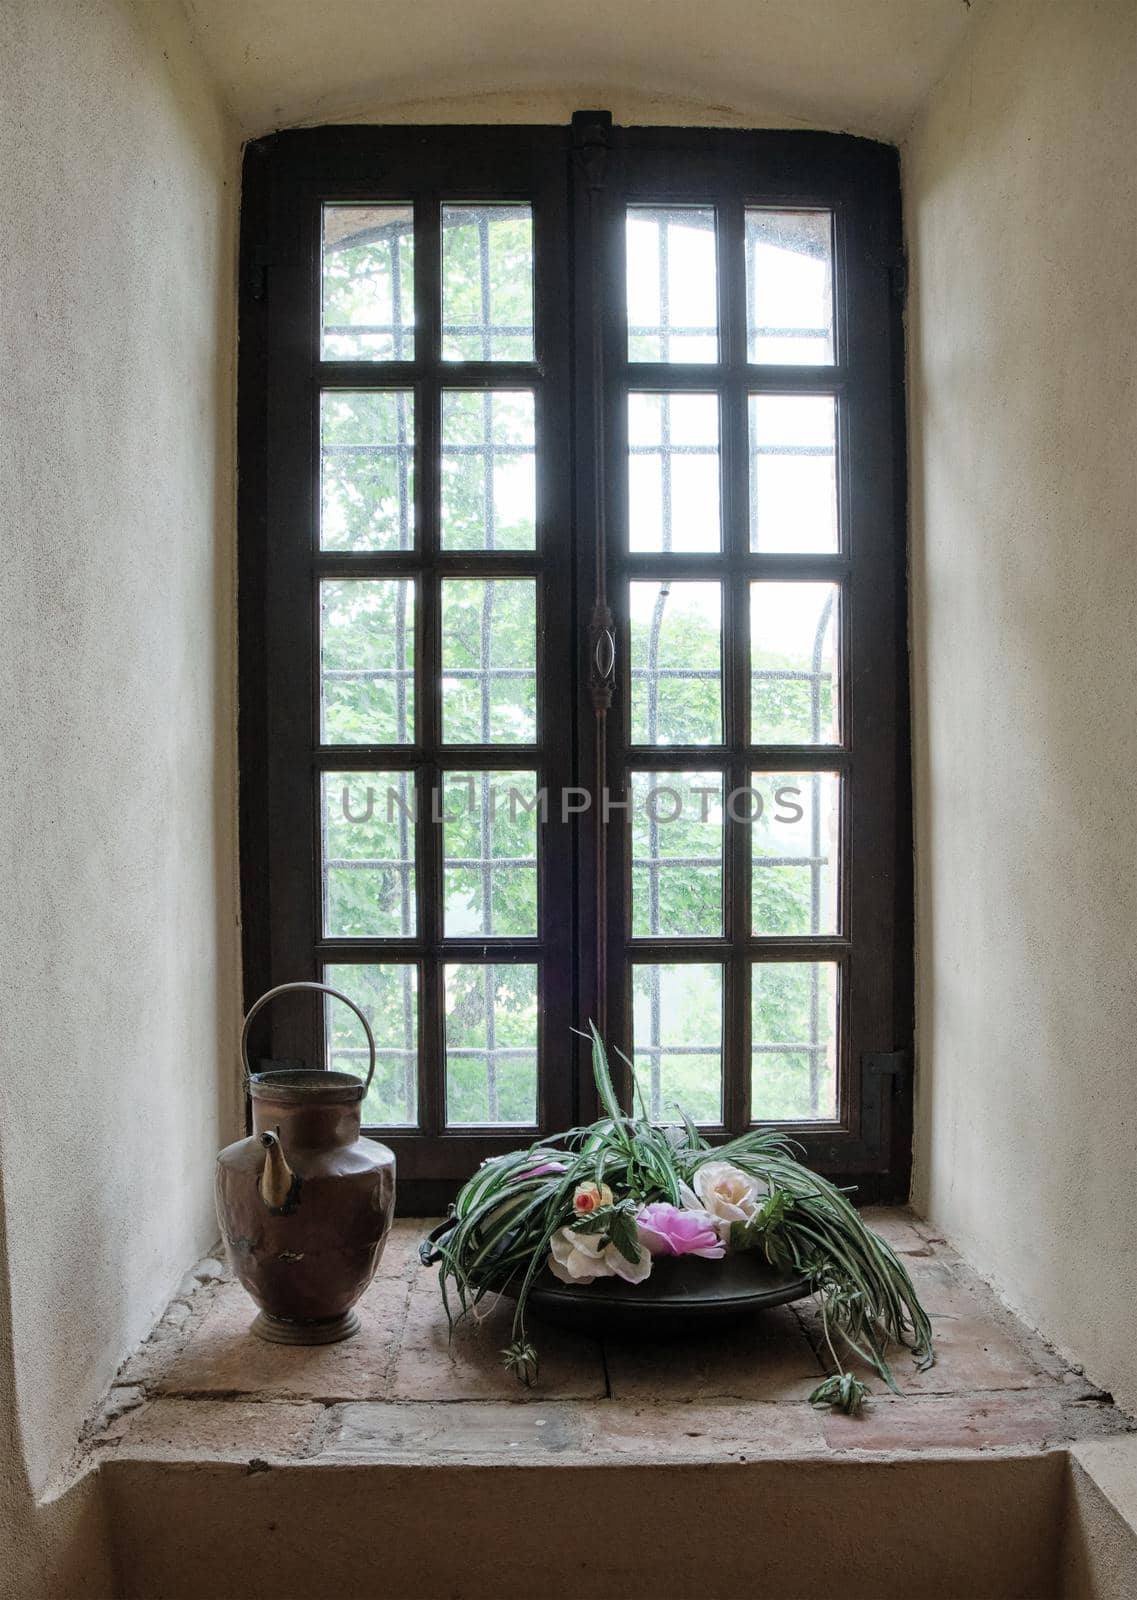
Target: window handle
pixel 602 641
pixel 605 654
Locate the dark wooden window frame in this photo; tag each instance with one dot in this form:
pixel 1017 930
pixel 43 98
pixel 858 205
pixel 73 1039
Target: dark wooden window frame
pixel 579 180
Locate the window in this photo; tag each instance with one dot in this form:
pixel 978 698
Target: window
pixel 572 639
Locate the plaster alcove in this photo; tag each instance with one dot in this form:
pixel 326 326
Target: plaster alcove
pixel 121 127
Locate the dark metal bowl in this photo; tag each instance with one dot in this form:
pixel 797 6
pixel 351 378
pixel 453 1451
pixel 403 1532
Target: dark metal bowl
pixel 684 1295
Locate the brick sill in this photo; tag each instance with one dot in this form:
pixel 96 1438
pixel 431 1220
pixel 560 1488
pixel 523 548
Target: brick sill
pixel 400 1392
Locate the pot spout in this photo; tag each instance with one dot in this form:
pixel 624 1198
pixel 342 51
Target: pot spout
pixel 279 1186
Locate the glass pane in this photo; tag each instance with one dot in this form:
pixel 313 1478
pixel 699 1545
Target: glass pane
pixel 677 1039
pixel 795 832
pixel 490 854
pixel 367 655
pixel 367 462
pixel 794 1041
pixel 789 287
pixel 793 663
pixel 673 472
pixel 369 283
pixel 487 283
pixel 793 473
pixel 676 663
pixel 489 660
pixel 368 854
pixel 676 853
pixel 491 1045
pixel 388 998
pixel 489 470
pixel 672 284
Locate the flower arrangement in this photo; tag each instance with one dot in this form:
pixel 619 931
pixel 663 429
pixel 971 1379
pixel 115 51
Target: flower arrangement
pixel 611 1199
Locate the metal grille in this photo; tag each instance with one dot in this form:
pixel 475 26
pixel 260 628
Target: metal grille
pixel 812 244
pixel 403 1051
pixel 400 450
pixel 489 333
pixel 666 220
pixel 397 1024
pixel 383 240
pixel 492 450
pixel 666 450
pixel 655 863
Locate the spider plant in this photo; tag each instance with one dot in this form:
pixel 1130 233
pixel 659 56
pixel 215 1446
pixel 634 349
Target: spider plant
pixel 499 1230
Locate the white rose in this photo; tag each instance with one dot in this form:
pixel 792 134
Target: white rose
pixel 728 1193
pixel 583 1257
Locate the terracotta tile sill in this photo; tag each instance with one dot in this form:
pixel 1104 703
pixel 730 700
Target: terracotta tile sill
pixel 402 1392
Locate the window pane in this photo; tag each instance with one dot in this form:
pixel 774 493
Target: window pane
pixel 672 284
pixel 368 854
pixel 490 854
pixel 794 831
pixel 388 998
pixel 487 283
pixel 368 283
pixel 794 1041
pixel 677 826
pixel 367 648
pixel 789 287
pixel 491 1044
pixel 489 661
pixel 367 458
pixel 677 1039
pixel 489 470
pixel 673 472
pixel 793 473
pixel 793 663
pixel 676 663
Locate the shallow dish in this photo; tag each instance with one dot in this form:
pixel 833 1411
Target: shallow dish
pixel 683 1295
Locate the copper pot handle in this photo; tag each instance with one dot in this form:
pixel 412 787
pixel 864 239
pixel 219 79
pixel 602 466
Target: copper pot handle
pixel 323 988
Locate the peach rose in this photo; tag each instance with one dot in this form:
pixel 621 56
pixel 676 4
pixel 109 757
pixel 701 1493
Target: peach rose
pixel 589 1197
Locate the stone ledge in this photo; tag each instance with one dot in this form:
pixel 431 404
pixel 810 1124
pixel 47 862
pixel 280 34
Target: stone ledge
pixel 404 1392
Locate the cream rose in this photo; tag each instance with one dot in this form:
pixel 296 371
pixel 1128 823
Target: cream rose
pixel 728 1193
pixel 582 1257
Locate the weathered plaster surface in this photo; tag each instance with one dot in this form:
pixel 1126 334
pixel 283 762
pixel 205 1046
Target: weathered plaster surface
pixel 861 65
pixel 117 805
pixel 1019 193
pixel 1100 1547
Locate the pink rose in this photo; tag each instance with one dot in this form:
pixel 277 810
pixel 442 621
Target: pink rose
pixel 665 1230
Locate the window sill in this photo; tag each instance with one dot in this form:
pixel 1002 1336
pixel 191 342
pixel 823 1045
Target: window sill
pixel 359 1467
pixel 400 1389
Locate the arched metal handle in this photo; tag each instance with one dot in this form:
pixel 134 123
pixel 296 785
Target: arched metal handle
pixel 604 654
pixel 322 988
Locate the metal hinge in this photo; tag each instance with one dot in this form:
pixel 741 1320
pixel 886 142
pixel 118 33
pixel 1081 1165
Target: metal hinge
pixel 894 1064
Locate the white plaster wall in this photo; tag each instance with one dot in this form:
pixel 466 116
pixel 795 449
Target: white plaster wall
pixel 860 65
pixel 117 809
pixel 1019 195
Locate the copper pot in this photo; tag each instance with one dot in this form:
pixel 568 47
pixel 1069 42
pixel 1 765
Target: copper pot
pixel 305 1203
